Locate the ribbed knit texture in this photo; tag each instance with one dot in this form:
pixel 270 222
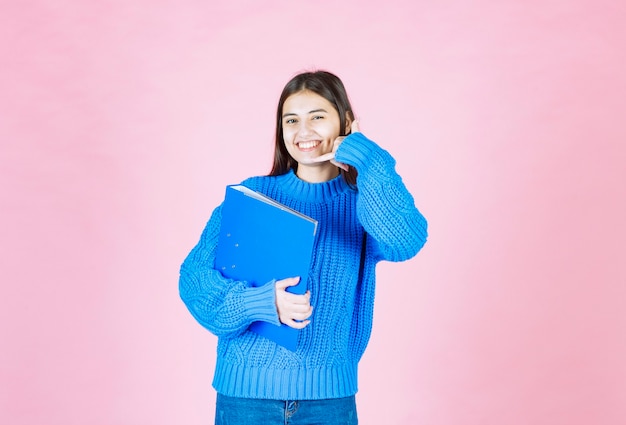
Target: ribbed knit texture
pixel 341 284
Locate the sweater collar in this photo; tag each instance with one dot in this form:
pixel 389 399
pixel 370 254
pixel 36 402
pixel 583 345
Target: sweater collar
pixel 312 192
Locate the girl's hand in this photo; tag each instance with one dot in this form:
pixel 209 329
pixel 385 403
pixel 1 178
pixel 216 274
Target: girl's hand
pixel 330 156
pixel 293 310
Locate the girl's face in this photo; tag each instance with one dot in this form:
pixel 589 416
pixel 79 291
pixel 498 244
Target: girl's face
pixel 310 127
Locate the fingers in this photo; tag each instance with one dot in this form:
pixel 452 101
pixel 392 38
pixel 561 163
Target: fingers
pixel 298 313
pixel 326 157
pixel 296 325
pixel 296 319
pixel 330 156
pixel 296 301
pixel 293 310
pixel 341 165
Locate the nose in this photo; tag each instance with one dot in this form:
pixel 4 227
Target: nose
pixel 304 129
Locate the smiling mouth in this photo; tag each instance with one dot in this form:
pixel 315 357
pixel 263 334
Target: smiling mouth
pixel 308 145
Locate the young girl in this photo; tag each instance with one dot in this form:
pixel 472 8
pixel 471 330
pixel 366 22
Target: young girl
pixel 365 214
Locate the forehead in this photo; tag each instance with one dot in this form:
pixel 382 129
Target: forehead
pixel 306 101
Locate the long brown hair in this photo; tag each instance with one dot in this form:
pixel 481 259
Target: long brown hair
pixel 331 88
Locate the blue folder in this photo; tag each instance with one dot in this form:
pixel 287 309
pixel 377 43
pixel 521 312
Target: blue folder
pixel 260 240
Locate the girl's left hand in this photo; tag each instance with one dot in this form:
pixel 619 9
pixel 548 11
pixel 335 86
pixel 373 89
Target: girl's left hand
pixel 330 156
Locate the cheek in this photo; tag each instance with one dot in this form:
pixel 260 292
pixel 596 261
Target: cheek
pixel 288 134
pixel 332 133
pixel 333 129
pixel 287 142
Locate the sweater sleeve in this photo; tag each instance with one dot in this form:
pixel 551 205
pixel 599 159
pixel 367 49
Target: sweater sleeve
pixel 224 306
pixel 385 207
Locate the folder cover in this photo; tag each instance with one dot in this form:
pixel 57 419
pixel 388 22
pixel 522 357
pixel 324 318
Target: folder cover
pixel 260 240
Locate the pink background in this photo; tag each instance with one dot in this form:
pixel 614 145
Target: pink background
pixel 122 121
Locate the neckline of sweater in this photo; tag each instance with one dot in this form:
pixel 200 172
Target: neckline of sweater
pixel 312 192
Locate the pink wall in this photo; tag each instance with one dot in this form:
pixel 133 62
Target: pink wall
pixel 120 124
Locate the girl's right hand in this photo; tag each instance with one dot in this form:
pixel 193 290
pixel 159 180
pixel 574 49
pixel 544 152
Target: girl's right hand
pixel 293 310
pixel 354 128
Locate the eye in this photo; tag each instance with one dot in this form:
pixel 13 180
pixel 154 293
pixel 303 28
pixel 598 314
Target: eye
pixel 290 121
pixel 318 117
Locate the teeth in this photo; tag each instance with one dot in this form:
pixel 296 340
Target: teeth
pixel 307 145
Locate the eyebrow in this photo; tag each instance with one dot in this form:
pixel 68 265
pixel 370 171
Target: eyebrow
pixel 310 112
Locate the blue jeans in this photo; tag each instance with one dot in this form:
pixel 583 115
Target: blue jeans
pixel 249 411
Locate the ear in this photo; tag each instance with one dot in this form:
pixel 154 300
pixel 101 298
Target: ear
pixel 349 119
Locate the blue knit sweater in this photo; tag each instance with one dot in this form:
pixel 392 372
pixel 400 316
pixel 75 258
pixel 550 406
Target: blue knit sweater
pixel 341 281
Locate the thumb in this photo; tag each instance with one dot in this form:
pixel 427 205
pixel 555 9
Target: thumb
pixel 290 281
